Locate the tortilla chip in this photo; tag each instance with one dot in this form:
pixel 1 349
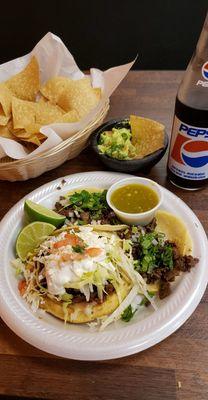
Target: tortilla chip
pixel 5 100
pixel 29 134
pixel 70 116
pixel 42 100
pixel 32 129
pixel 175 231
pixel 25 85
pixel 30 115
pixel 3 119
pixel 12 130
pixel 41 136
pixel 23 113
pixel 79 96
pixel 32 139
pixel 5 132
pixel 47 113
pixel 147 135
pixel 54 87
pixel 25 132
pixel 21 134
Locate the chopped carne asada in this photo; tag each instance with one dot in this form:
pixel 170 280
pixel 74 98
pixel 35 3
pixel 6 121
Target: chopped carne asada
pixel 85 208
pixel 78 297
pixel 157 260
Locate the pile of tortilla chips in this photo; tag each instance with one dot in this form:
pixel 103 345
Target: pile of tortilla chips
pixel 25 105
pixel 147 135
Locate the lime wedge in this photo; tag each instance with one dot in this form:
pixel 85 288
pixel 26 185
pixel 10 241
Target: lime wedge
pixel 31 236
pixel 36 212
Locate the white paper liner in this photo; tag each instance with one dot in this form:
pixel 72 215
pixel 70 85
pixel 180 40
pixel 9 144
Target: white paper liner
pixel 56 60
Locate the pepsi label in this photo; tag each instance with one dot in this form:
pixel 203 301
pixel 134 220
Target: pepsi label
pixel 204 72
pixel 188 157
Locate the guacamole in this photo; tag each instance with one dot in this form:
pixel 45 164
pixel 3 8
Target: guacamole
pixel 117 144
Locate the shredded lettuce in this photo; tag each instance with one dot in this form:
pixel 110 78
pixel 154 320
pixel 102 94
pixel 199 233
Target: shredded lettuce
pixel 127 245
pixel 67 297
pixel 120 309
pixel 18 266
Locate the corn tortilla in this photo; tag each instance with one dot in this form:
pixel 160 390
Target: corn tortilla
pixel 175 231
pixel 79 313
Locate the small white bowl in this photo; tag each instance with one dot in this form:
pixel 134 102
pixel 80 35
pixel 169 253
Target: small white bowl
pixel 143 218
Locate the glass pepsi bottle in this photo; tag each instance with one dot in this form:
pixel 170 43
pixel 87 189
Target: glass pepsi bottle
pixel 188 154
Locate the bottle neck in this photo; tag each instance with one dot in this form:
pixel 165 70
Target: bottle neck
pixel 202 44
pixel 193 90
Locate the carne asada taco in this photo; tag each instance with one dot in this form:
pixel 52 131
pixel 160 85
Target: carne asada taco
pixel 86 206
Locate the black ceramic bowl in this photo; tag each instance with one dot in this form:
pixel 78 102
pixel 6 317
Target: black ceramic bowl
pixel 144 164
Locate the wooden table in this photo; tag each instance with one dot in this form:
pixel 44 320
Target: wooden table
pixel 177 368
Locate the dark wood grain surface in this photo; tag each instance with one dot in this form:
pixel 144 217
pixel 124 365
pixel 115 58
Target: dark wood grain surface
pixel 176 368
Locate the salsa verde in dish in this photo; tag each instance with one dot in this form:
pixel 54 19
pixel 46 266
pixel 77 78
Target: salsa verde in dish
pixel 134 198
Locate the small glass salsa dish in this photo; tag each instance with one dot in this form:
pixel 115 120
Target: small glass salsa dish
pixel 126 165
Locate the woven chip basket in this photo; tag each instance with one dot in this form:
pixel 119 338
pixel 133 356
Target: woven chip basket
pixel 20 170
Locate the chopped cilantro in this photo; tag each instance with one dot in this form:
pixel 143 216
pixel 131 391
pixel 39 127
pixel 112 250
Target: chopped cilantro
pixel 94 202
pixel 155 252
pixel 78 249
pixel 128 314
pixel 145 301
pixel 167 256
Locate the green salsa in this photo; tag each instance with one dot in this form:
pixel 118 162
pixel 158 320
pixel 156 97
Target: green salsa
pixel 134 198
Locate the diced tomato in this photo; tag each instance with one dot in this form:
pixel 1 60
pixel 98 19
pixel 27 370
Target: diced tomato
pixel 22 286
pixel 77 256
pixel 72 256
pixel 61 243
pixel 71 239
pixel 93 251
pixel 66 256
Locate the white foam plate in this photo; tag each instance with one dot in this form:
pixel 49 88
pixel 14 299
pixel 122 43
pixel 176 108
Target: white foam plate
pixel 120 339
